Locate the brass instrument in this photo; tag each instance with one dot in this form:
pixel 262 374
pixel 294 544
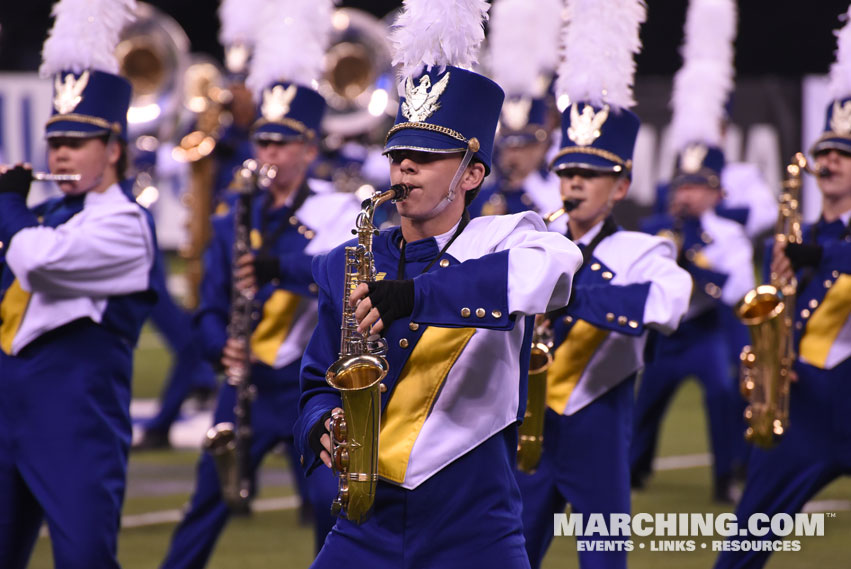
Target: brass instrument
pixel 768 311
pixel 359 84
pixel 48 177
pixel 230 443
pixel 357 374
pixel 530 441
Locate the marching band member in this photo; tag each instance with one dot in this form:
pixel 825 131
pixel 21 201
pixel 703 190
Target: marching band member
pixel 522 61
pixel 290 224
pixel 629 282
pixel 452 306
pixel 76 288
pixel 816 447
pixel 714 250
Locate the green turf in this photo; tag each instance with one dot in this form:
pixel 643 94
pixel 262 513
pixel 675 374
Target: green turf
pixel 274 539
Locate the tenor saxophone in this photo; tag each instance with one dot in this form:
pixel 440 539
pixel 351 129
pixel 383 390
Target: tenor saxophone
pixel 230 443
pixel 357 374
pixel 768 311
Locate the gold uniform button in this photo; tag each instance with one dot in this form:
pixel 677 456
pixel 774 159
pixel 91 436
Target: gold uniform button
pixel 835 274
pixel 621 320
pixel 480 312
pixel 813 303
pixel 568 319
pixel 313 287
pixel 607 275
pixel 302 229
pixel 444 263
pixel 828 283
pixel 805 313
pixel 465 312
pixel 798 325
pixel 309 234
pixel 413 326
pixel 595 266
pixel 610 317
pixel 403 343
pixel 293 220
pixel 496 314
pixel 633 324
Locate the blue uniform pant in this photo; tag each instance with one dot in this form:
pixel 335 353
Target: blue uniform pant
pixel 64 436
pixel 815 450
pixel 586 463
pixel 692 350
pixel 272 423
pixel 467 516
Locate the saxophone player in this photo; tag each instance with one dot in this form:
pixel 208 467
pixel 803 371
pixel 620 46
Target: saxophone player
pixel 291 222
pixel 629 283
pixel 452 306
pixel 75 288
pixel 816 447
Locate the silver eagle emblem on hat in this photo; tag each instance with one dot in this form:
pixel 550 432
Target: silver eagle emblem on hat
pixel 840 118
pixel 691 160
pixel 515 113
pixel 277 101
pixel 421 101
pixel 69 92
pixel 586 127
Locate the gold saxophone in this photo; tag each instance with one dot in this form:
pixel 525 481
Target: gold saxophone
pixel 357 374
pixel 768 311
pixel 230 443
pixel 530 440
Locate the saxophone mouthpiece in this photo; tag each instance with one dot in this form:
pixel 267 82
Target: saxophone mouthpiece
pixel 572 204
pixel 823 172
pixel 400 191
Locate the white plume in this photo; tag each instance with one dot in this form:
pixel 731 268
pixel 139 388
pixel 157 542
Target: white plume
pixel 523 41
pixel 84 35
pixel 290 43
pixel 840 71
pixel 436 33
pixel 239 21
pixel 704 82
pixel 600 40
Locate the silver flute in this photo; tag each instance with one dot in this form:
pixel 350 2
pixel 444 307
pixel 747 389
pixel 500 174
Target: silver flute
pixel 48 177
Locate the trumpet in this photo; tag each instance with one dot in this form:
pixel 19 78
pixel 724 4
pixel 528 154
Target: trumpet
pixel 48 177
pixel 568 206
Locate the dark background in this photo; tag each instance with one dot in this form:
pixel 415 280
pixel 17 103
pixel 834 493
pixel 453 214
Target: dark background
pixel 776 37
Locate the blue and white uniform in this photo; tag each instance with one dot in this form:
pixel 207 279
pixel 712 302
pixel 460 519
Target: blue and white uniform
pixel 289 313
pixel 76 289
pixel 455 391
pixel 816 447
pixel 718 255
pixel 630 283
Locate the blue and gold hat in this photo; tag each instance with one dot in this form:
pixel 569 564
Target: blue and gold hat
pixel 447 111
pixel 699 164
pixel 288 111
pixel 87 104
pixel 523 120
pixel 596 138
pixel 837 128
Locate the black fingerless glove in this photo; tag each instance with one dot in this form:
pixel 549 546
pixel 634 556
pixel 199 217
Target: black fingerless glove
pixel 16 181
pixel 804 255
pixel 267 268
pixel 393 299
pixel 316 431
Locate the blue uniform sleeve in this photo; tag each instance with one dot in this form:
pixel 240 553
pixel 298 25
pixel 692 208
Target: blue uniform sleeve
pixel 619 308
pixel 470 294
pixel 214 309
pixel 14 216
pixel 317 397
pixel 703 276
pixel 296 273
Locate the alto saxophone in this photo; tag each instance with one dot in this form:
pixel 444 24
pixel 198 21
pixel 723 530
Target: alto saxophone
pixel 530 440
pixel 230 443
pixel 768 311
pixel 357 374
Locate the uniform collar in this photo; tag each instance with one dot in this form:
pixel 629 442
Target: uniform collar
pixel 590 234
